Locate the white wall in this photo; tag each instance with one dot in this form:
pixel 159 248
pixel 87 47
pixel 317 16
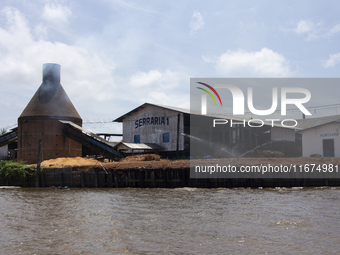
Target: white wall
pixel 312 139
pixel 153 133
pixel 4 152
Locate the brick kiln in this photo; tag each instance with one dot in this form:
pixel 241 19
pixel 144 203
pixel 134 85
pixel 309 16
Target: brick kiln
pixel 40 121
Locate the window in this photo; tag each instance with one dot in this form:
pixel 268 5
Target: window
pixel 166 137
pixel 136 139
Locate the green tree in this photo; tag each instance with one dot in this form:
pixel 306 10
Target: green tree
pixel 3 131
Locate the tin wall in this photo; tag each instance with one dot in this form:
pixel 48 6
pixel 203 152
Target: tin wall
pixel 150 123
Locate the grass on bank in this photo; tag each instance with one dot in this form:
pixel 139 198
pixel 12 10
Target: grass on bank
pixel 13 170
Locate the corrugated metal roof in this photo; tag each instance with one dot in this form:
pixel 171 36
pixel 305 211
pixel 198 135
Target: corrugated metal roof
pixel 176 109
pixel 89 133
pixel 8 138
pixel 187 111
pixel 140 146
pixel 305 124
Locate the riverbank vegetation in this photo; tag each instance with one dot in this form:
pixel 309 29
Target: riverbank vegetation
pixel 12 170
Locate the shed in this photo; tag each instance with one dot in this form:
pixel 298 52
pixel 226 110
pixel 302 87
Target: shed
pixel 320 136
pixel 138 147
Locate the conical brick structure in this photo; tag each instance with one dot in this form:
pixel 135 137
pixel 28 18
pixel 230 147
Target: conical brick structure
pixel 40 121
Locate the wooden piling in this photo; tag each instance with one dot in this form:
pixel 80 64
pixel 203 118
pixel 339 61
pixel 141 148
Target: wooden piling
pixel 110 179
pixel 37 183
pixel 165 178
pixel 115 178
pixel 153 182
pixel 61 179
pixel 141 178
pixel 158 178
pixel 96 178
pixel 42 177
pixel 82 179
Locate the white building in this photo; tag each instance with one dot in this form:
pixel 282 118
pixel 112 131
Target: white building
pixel 167 130
pixel 320 136
pixel 154 127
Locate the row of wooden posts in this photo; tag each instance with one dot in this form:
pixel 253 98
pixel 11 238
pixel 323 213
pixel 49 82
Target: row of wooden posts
pixel 153 178
pixel 111 178
pixel 160 178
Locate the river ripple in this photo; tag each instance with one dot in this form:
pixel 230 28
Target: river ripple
pixel 170 221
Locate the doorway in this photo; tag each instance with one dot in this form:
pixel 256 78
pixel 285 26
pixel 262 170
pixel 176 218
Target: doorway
pixel 328 147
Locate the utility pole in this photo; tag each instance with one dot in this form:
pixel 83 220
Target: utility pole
pixel 37 180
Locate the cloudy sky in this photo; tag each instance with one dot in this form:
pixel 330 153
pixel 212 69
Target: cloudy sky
pixel 117 54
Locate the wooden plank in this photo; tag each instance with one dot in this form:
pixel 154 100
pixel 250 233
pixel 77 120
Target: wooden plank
pixel 82 179
pixel 115 179
pixel 61 180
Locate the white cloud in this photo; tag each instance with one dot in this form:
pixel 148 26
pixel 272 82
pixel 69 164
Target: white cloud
pixel 142 79
pixel 41 31
pixel 84 74
pixel 134 6
pixel 335 29
pixel 264 63
pixel 87 76
pixel 17 32
pixel 196 22
pixel 156 78
pixel 333 60
pixel 315 30
pixel 309 28
pixel 159 87
pixel 304 26
pixel 56 13
pixel 178 99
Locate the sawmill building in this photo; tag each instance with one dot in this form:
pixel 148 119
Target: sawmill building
pixel 167 130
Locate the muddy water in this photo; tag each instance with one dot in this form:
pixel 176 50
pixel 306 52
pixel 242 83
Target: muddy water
pixel 170 221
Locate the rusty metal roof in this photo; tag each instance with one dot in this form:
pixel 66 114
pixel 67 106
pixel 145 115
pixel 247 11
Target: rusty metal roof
pixel 59 105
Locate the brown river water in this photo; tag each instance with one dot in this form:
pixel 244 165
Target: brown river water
pixel 170 221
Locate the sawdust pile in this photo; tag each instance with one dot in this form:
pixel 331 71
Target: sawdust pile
pixel 142 157
pixel 152 161
pixel 270 154
pixel 69 162
pixel 87 163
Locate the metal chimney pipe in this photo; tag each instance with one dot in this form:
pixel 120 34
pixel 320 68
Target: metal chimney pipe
pixel 51 81
pixel 51 72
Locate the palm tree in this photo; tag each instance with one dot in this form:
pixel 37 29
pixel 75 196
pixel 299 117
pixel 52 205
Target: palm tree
pixel 3 131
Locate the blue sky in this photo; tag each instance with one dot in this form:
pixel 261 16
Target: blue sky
pixel 116 55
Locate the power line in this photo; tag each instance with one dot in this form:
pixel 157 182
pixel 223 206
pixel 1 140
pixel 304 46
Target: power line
pixel 101 122
pixel 110 122
pixel 320 107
